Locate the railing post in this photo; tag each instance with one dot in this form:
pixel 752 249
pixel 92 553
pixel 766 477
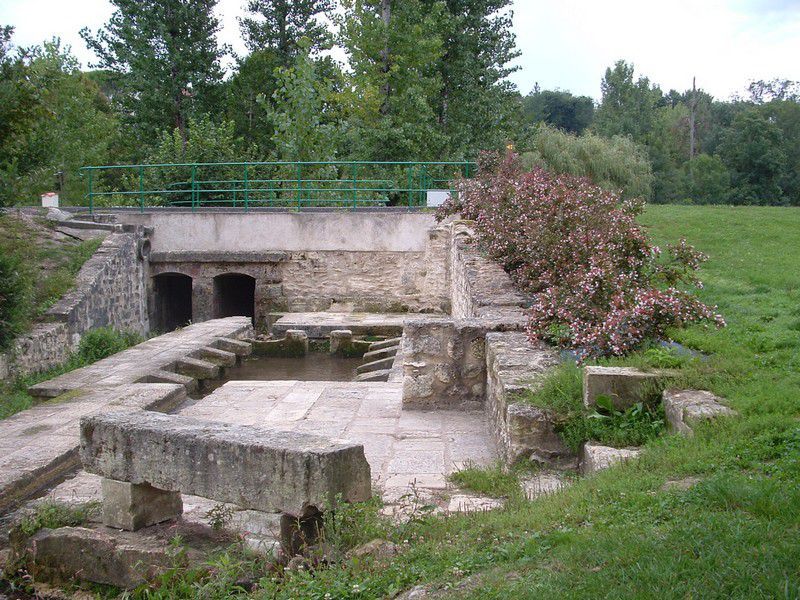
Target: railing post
pixel 298 171
pixel 141 188
pixel 246 190
pixel 410 184
pixel 355 189
pixel 194 194
pixel 423 184
pixel 91 195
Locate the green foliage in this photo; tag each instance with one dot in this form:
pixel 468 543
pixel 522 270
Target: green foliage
pixel 52 515
pixel 102 342
pixel 219 516
pixel 611 427
pixel 561 391
pixel 616 164
pixel 16 290
pixel 559 109
pixel 752 150
pixel 627 107
pixel 168 59
pixel 281 24
pixel 496 481
pixel 298 112
pixel 710 180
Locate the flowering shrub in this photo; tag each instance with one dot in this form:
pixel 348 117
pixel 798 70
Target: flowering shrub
pixel 597 284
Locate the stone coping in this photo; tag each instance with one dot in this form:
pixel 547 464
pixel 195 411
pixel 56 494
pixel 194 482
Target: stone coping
pixel 320 324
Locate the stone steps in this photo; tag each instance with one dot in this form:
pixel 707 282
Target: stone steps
pixel 222 358
pixel 381 353
pixel 379 375
pixel 385 344
pixel 375 365
pixel 238 347
pixel 197 368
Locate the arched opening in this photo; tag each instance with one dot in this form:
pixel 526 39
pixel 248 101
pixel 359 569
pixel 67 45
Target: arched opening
pixel 172 301
pixel 234 295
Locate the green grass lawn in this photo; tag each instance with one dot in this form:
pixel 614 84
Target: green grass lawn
pixel 624 533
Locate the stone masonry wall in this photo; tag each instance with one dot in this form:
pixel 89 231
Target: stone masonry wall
pixel 109 290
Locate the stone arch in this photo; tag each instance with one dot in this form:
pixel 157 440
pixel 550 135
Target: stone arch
pixel 172 301
pixel 234 295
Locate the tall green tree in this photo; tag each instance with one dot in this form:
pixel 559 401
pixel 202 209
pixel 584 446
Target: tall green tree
pixel 752 149
pixel 477 106
pixel 559 108
pixel 394 83
pixel 278 25
pixel 169 59
pixel 628 106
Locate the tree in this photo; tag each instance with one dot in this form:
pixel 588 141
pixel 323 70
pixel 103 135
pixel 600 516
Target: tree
pixel 297 112
pixel 392 90
pixel 627 107
pixel 167 52
pixel 283 23
pixel 559 108
pixel 711 181
pixel 477 107
pixel 752 151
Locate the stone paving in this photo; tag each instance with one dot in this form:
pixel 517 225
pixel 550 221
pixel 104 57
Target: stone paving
pixel 320 324
pixel 403 447
pixel 159 353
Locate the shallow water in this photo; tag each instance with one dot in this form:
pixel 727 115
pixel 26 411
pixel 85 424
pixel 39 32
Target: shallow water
pixel 316 366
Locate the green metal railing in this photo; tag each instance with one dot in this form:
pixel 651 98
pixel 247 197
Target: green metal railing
pixel 298 185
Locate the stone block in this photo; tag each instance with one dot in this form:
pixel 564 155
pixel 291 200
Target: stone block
pixel 340 340
pixel 683 408
pixel 293 345
pixel 223 358
pixel 238 347
pixel 380 375
pixel 197 368
pixel 624 385
pixel 385 343
pixel 131 506
pixel 388 352
pixel 162 376
pixel 532 435
pixel 252 467
pixel 595 457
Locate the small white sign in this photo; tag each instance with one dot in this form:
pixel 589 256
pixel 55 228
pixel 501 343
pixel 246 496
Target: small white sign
pixel 50 200
pixel 437 197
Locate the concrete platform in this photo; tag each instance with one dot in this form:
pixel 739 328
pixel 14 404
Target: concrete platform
pixel 320 324
pixel 403 447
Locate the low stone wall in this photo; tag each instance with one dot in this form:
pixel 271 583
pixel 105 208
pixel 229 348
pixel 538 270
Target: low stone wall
pixel 110 290
pixel 520 430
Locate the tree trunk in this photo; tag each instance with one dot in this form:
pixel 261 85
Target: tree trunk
pixel 386 89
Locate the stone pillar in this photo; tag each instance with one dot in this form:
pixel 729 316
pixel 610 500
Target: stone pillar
pixel 202 299
pixel 131 506
pixel 341 341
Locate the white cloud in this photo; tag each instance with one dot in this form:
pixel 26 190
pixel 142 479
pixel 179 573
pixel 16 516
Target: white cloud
pixel 565 43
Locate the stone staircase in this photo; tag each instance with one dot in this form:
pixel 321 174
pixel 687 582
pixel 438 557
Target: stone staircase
pixel 378 360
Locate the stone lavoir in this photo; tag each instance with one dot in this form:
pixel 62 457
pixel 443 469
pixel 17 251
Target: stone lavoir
pixel 440 330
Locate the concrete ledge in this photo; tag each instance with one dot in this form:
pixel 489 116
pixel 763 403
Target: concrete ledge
pixel 252 467
pixel 273 256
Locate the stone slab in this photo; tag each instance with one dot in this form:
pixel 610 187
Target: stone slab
pixel 253 467
pixel 197 368
pixel 683 408
pixel 319 325
pixel 238 347
pixel 219 357
pixel 595 457
pixel 376 365
pixel 41 444
pixel 624 385
pixel 131 506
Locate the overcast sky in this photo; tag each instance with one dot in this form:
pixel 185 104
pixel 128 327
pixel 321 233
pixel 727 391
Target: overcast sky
pixel 565 44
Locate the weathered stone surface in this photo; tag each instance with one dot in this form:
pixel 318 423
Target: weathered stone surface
pixel 294 344
pixel 320 325
pixel 197 368
pixel 342 343
pixel 595 457
pixel 521 431
pixel 377 549
pixel 684 408
pixel 163 376
pixel 131 506
pixel 624 385
pixel 223 358
pixel 238 347
pixel 252 467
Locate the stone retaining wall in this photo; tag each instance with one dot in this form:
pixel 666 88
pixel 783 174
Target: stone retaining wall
pixel 110 290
